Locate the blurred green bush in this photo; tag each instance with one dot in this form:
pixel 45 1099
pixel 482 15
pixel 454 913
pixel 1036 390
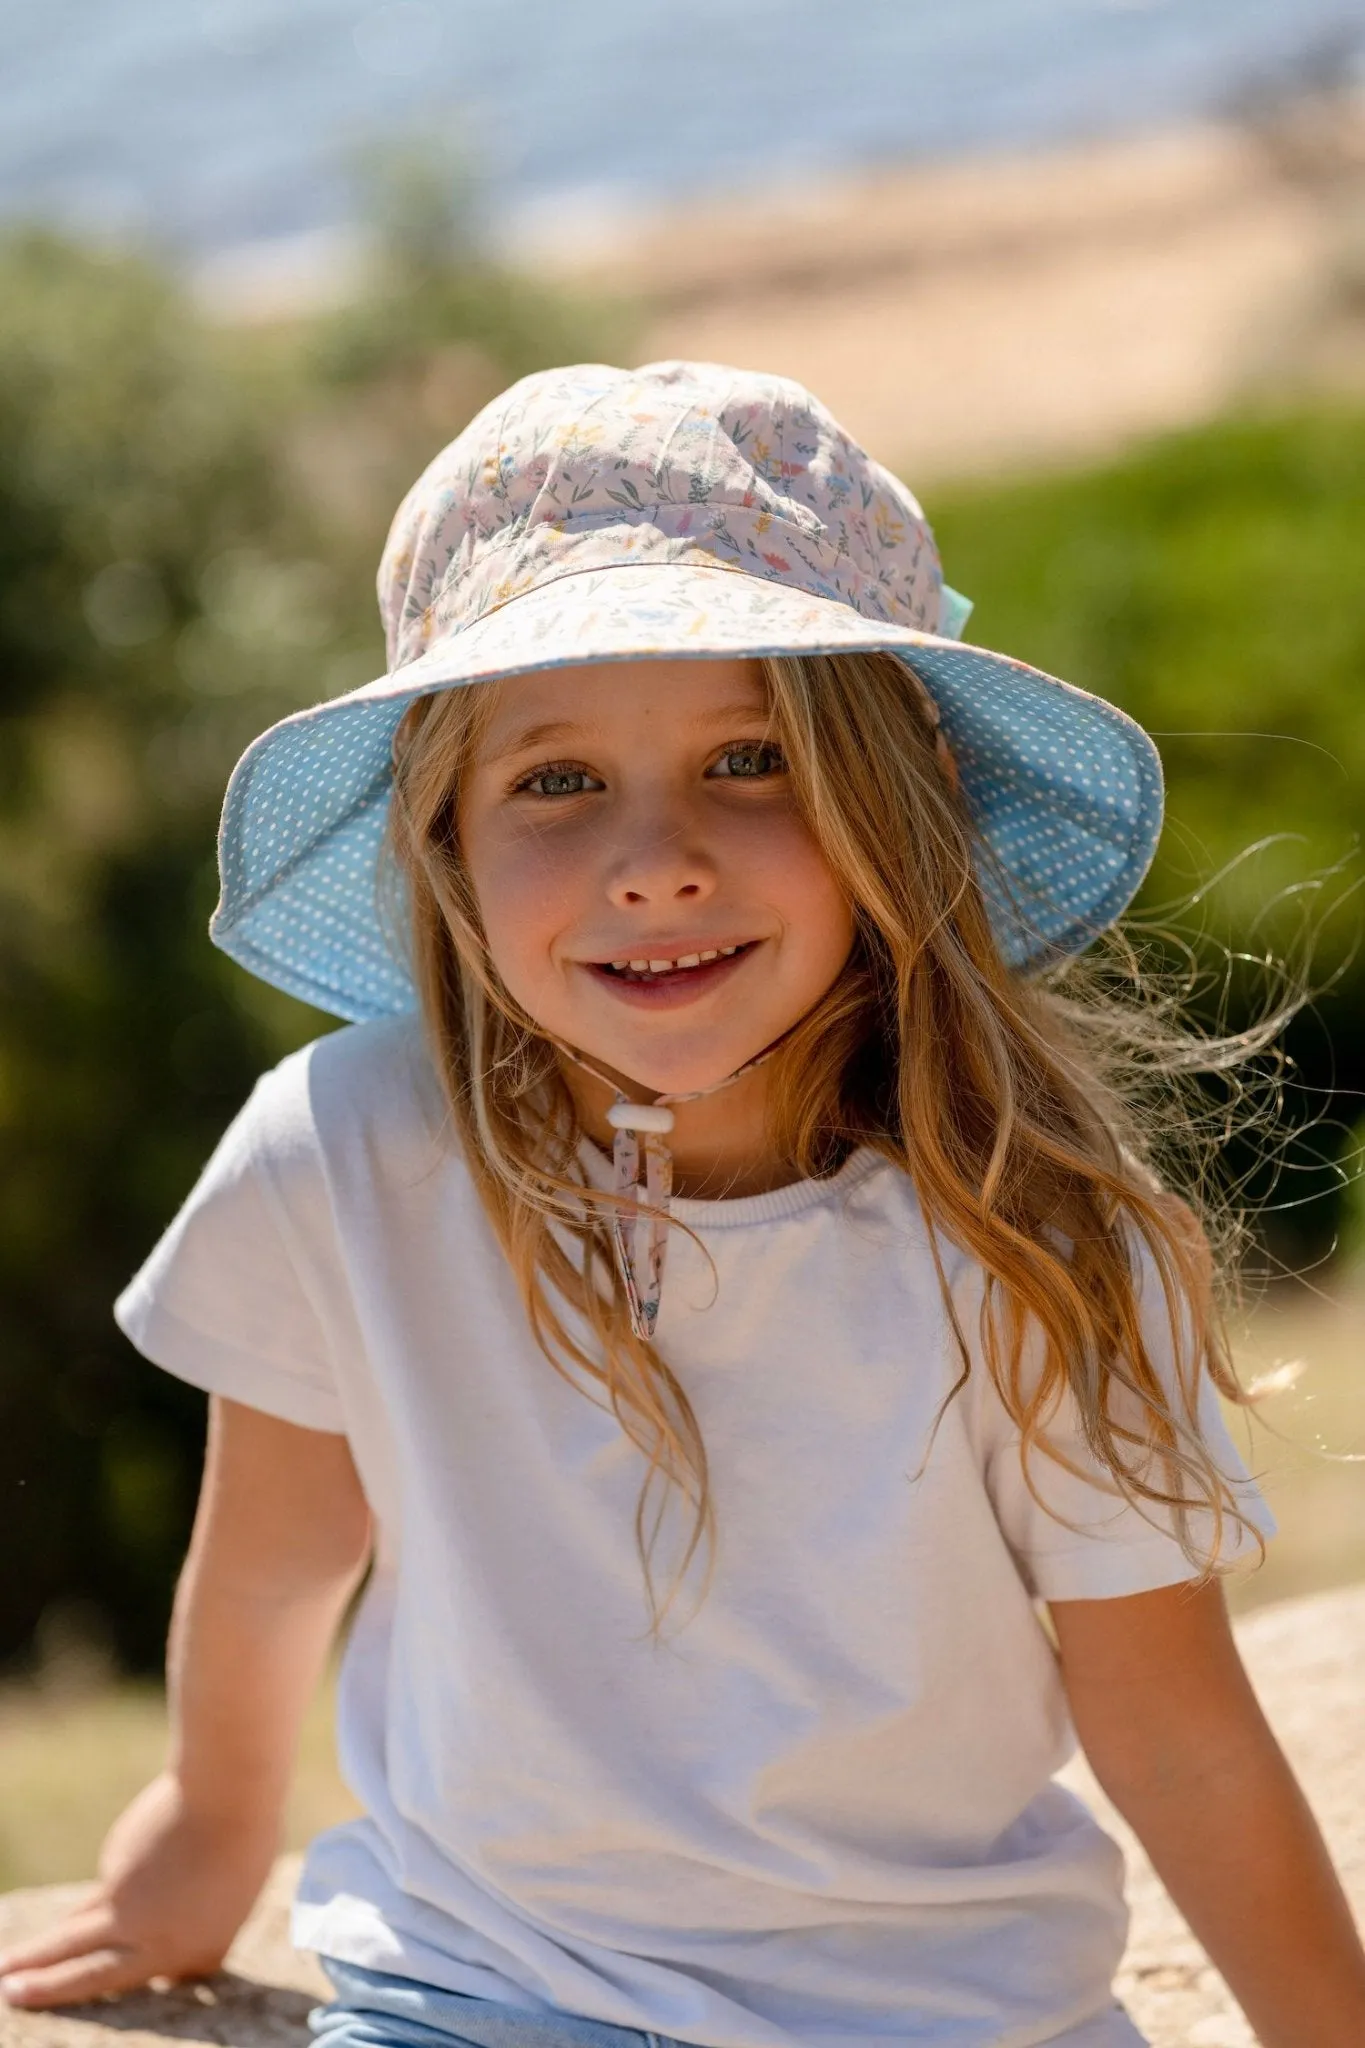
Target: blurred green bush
pixel 1211 584
pixel 142 511
pixel 189 523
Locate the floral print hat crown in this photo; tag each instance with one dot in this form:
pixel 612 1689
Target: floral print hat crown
pixel 597 514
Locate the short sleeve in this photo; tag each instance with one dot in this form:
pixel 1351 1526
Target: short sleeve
pixel 1112 1546
pixel 226 1300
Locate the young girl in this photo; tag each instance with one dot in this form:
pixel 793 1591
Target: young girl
pixel 717 1286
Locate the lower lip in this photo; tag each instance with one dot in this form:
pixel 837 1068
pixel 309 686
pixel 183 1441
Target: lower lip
pixel 671 991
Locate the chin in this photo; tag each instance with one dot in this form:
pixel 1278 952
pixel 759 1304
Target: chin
pixel 681 1072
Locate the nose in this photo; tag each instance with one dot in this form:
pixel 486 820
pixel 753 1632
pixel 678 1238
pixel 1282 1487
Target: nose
pixel 659 859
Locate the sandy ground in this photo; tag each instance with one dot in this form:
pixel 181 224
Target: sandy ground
pixel 1007 312
pixel 1306 1659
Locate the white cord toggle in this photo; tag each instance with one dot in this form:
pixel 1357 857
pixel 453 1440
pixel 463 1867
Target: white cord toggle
pixel 639 1228
pixel 640 1116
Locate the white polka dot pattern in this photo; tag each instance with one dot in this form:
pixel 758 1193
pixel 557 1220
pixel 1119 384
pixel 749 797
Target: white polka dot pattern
pixel 1065 789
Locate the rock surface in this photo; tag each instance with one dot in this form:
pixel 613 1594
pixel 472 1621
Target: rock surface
pixel 1306 1657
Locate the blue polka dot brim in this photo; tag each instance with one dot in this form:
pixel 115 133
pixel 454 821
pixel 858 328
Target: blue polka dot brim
pixel 596 514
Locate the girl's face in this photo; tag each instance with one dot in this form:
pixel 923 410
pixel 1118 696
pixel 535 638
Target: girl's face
pixel 650 893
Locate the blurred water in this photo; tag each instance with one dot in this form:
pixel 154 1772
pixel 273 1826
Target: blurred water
pixel 208 123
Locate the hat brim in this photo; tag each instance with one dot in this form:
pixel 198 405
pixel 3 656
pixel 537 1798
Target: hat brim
pixel 1065 789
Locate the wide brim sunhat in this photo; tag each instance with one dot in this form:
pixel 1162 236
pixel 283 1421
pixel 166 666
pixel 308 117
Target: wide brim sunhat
pixel 684 509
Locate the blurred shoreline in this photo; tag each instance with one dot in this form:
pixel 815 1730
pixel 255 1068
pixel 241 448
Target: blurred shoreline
pixel 995 313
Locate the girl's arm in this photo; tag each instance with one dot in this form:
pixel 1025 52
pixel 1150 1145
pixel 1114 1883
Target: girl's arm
pixel 1174 1734
pixel 280 1538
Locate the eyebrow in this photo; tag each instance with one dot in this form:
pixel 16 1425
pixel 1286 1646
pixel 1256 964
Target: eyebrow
pixel 559 731
pixel 533 736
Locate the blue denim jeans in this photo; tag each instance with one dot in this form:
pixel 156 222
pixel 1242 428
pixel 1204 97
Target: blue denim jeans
pixel 374 2010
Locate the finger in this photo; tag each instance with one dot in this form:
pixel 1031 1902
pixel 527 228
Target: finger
pixel 86 1928
pixel 75 1979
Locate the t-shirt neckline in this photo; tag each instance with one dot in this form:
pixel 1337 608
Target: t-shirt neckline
pixel 734 1212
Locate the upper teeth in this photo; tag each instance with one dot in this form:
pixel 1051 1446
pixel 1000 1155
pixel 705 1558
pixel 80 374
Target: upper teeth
pixel 683 960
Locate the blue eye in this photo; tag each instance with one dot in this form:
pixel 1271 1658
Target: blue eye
pixel 559 778
pixel 751 761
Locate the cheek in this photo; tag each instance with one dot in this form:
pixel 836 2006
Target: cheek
pixel 526 895
pixel 786 863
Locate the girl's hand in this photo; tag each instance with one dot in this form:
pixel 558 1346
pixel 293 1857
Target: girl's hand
pixel 174 1887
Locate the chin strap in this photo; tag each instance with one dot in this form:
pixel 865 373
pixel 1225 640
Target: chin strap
pixel 639 1230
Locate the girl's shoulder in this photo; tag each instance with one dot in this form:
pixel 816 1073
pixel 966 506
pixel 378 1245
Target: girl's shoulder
pixel 362 1092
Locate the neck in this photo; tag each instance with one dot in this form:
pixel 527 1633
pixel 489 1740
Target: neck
pixel 720 1143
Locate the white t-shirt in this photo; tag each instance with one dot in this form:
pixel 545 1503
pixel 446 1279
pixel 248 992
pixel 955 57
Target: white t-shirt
pixel 822 1812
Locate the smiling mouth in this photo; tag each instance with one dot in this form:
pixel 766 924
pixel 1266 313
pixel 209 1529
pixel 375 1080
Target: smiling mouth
pixel 642 969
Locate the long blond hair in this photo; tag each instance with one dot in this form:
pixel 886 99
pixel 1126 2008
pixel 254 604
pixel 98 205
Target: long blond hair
pixel 1014 1105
